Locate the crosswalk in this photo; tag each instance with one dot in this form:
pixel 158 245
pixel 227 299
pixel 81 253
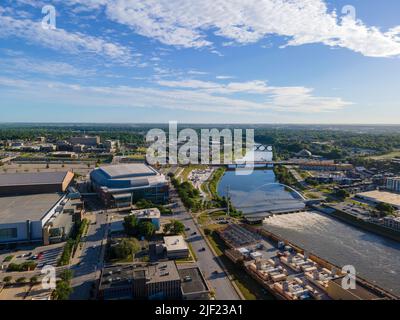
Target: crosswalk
pixel 50 257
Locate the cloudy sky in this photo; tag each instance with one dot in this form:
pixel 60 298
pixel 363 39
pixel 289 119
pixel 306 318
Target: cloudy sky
pixel 255 61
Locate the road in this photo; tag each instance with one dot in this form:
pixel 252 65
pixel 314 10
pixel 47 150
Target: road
pixel 207 262
pixel 90 262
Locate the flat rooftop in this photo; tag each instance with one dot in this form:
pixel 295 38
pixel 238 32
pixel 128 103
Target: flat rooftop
pixel 192 280
pixel 122 275
pixel 161 272
pixel 173 243
pixel 27 207
pixel 382 196
pixel 151 213
pixel 128 170
pixel 36 178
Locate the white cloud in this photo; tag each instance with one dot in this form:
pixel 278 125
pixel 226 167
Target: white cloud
pixel 224 77
pixel 60 39
pixel 42 67
pixel 293 99
pixel 186 23
pixel 197 73
pixel 202 96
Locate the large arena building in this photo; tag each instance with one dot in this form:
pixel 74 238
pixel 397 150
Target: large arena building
pixel 123 184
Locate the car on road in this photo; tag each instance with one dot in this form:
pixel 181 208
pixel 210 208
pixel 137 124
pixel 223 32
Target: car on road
pixel 215 272
pixel 202 249
pixel 194 233
pixel 187 229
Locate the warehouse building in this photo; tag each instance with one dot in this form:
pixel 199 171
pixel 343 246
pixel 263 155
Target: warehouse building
pixel 22 218
pixel 34 183
pixel 123 184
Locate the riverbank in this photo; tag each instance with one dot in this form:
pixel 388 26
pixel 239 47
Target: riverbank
pixel 365 225
pixel 323 263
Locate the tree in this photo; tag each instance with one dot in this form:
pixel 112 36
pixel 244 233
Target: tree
pixel 124 249
pixel 174 227
pixel 342 194
pixel 63 290
pixel 66 275
pixel 385 208
pixel 146 229
pixel 131 225
pixel 21 280
pixel 33 280
pixel 7 279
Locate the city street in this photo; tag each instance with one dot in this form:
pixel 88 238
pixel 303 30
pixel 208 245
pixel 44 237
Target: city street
pixel 207 262
pixel 87 265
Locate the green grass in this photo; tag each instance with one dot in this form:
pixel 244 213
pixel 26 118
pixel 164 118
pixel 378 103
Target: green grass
pixel 386 156
pixel 192 253
pixel 8 258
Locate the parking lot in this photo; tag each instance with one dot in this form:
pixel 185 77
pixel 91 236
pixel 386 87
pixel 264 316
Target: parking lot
pixel 42 255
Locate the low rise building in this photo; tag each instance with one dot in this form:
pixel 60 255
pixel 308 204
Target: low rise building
pixel 152 214
pixel 392 222
pixel 325 166
pixel 85 140
pixel 193 283
pixel 176 247
pixel 379 196
pixel 140 281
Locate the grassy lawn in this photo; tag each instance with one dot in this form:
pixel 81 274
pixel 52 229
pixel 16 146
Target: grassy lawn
pixel 8 258
pixel 249 287
pixel 387 156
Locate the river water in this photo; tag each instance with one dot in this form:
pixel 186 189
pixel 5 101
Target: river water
pixel 257 193
pixel 375 258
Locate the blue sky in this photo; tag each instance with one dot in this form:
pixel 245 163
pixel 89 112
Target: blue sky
pixel 254 61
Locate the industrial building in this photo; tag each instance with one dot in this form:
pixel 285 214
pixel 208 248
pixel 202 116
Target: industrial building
pixel 123 184
pixel 378 196
pixel 23 218
pixel 34 183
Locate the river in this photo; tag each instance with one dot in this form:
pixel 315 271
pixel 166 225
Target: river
pixel 375 258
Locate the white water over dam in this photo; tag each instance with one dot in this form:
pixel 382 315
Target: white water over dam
pixel 375 258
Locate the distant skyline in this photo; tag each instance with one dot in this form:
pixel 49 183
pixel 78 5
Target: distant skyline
pixel 210 61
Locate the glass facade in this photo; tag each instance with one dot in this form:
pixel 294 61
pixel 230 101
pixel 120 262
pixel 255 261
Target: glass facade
pixel 8 233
